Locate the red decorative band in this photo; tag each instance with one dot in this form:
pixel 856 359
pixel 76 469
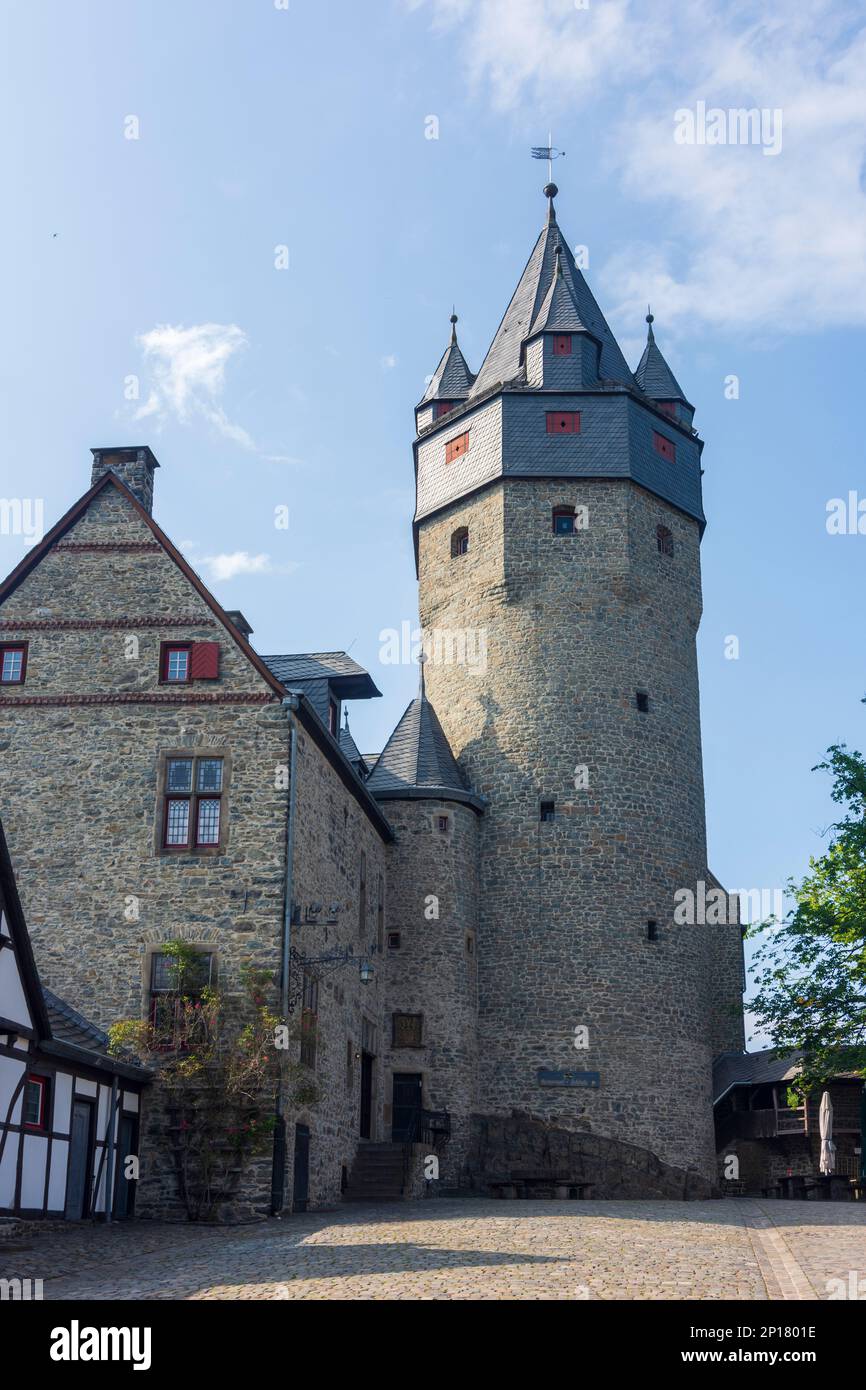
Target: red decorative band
pixel 214 698
pixel 87 624
pixel 108 547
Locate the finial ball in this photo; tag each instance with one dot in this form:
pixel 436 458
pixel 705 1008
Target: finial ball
pixel 550 190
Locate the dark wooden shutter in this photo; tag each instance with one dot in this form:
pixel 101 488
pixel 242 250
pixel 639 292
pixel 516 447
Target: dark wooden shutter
pixel 664 446
pixel 204 662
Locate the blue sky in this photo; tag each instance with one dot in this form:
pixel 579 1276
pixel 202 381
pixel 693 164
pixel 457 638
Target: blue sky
pixel 262 127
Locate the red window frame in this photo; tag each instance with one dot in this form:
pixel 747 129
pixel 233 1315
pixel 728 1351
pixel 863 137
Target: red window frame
pixel 664 446
pixel 563 421
pixel 457 447
pixel 14 647
pixel 42 1083
pixel 562 344
pixel 193 799
pixel 165 651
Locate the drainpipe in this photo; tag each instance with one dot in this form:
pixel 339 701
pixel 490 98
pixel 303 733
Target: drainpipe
pixel 278 1170
pixel 109 1176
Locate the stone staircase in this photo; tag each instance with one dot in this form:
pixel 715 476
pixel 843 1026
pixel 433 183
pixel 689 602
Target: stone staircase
pixel 377 1174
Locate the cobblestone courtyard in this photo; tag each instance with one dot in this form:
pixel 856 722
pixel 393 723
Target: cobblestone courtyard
pixel 473 1249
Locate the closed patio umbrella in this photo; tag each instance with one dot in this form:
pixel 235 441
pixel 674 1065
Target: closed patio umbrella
pixel 825 1123
pixel 863 1134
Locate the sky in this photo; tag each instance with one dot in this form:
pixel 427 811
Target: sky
pixel 235 232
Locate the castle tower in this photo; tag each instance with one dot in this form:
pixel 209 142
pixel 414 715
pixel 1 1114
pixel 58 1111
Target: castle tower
pixel 430 1060
pixel 558 526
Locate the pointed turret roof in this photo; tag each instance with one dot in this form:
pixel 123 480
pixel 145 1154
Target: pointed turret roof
pixel 653 375
pixel 452 379
pixel 417 761
pixel 558 312
pixel 350 748
pixel 524 313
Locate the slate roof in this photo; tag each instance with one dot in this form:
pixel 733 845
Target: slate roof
pixel 558 312
pixel 348 678
pixel 452 379
pixel 503 360
pixel 417 761
pixel 350 748
pixel 69 1026
pixel 760 1069
pixel 654 376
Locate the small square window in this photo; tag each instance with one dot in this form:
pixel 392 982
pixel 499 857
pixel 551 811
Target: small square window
pixel 562 344
pixel 210 775
pixel 13 663
pixel 175 663
pixel 442 823
pixel 548 810
pixel 393 941
pixel 407 1030
pixel 179 775
pixel 563 522
pixel 642 701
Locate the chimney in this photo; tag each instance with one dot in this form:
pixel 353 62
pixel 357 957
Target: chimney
pixel 239 621
pixel 133 466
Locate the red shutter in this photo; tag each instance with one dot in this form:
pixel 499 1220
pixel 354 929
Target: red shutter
pixel 456 447
pixel 562 344
pixel 204 663
pixel 665 447
pixel 563 422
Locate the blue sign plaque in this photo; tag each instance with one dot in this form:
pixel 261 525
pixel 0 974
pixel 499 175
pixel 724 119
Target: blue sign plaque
pixel 547 1077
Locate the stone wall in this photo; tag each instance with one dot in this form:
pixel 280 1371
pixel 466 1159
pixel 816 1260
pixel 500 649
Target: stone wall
pixel 83 743
pixel 576 625
pixel 433 904
pixel 526 1155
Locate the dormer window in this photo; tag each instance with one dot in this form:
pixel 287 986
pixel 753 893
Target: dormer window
pixel 668 408
pixel 13 663
pixel 562 344
pixel 442 408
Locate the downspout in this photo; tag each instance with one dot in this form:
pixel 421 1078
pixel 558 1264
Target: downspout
pixel 278 1170
pixel 109 1176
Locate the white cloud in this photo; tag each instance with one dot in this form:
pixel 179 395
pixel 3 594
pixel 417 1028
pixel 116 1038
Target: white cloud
pixel 229 566
pixel 389 361
pixel 763 243
pixel 188 368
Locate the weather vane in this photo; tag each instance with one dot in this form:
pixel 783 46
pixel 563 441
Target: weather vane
pixel 548 152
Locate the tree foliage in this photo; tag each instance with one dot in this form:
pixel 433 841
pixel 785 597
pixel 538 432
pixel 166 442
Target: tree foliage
pixel 811 968
pixel 217 1066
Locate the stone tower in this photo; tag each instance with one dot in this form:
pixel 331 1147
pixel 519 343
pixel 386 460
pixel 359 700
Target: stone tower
pixel 558 527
